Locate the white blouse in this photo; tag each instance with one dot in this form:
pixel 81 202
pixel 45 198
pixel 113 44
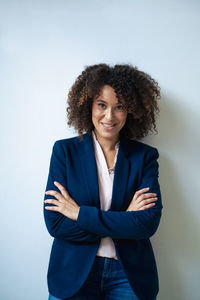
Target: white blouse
pixel 105 180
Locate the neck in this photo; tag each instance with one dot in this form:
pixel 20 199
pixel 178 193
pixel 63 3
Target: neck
pixel 107 144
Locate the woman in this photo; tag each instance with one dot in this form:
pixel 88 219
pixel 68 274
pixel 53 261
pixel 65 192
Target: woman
pixel 103 200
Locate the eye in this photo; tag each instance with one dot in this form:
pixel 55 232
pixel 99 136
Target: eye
pixel 120 107
pixel 101 105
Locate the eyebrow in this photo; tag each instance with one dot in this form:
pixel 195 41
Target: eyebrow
pixel 100 100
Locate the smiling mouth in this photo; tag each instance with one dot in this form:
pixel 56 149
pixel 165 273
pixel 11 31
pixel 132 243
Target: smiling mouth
pixel 108 125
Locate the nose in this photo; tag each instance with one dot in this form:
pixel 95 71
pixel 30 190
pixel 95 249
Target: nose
pixel 109 114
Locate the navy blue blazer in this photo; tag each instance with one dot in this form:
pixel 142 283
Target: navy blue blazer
pixel 76 243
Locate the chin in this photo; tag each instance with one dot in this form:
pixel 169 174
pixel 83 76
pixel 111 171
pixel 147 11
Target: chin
pixel 107 134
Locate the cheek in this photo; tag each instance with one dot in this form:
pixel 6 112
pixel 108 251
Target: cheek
pixel 95 113
pixel 123 118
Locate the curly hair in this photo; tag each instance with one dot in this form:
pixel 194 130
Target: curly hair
pixel 137 90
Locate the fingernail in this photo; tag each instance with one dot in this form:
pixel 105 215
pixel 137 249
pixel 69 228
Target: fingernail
pixel 55 182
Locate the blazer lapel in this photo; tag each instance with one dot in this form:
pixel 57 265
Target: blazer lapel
pixel 89 170
pixel 120 176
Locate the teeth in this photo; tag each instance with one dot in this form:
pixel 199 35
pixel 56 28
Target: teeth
pixel 106 125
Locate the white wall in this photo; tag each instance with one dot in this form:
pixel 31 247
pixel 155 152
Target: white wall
pixel 44 46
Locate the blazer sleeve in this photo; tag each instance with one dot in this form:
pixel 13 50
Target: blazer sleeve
pixel 128 224
pixel 58 225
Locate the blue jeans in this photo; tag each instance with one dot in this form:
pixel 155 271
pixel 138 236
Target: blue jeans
pixel 106 281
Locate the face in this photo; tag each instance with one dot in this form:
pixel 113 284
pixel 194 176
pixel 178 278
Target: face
pixel 108 114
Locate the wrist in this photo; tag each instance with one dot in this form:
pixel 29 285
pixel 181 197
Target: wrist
pixel 77 213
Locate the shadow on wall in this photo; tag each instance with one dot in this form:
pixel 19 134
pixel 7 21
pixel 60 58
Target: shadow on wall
pixel 176 243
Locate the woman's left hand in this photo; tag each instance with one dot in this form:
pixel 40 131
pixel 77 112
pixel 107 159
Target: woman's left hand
pixel 64 203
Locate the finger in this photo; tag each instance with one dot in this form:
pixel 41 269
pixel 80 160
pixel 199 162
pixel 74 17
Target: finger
pixel 147 201
pixel 148 195
pixel 63 190
pixel 56 194
pixel 53 208
pixel 52 201
pixel 139 192
pixel 144 198
pixel 147 206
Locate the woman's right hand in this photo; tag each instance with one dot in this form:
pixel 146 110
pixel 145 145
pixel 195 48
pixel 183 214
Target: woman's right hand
pixel 142 200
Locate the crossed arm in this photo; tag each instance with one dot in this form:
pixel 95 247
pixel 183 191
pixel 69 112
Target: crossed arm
pixel 65 205
pixel 66 219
